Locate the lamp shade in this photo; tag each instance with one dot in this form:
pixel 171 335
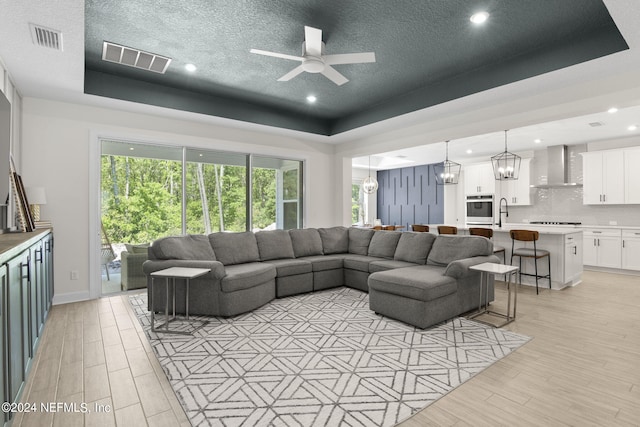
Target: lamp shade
pixel 370 184
pixel 36 195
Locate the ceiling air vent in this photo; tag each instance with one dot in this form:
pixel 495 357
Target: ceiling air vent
pixel 596 124
pixel 135 58
pixel 46 37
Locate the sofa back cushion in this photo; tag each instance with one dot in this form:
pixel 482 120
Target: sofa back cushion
pixel 306 242
pixel 383 244
pixel 335 240
pixel 414 247
pixel 449 248
pixel 142 248
pixel 274 244
pixel 359 239
pixel 235 248
pixel 193 247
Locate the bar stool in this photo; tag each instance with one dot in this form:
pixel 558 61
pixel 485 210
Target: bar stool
pixel 420 228
pixel 447 229
pixel 535 253
pixel 488 233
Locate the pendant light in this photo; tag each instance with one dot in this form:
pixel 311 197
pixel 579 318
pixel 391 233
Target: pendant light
pixel 447 172
pixel 370 184
pixel 506 165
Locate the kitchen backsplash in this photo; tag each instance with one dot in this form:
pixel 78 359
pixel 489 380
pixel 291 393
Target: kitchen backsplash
pixel 565 204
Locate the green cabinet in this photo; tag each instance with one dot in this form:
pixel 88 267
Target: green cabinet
pixel 4 391
pixel 26 280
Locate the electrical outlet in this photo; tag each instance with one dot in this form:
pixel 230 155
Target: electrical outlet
pixel 74 274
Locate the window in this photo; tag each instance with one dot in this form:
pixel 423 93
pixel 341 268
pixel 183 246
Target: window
pixel 149 191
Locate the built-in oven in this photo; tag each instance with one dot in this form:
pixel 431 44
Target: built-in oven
pixel 479 209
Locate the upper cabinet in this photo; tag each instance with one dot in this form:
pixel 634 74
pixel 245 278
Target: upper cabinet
pixel 604 177
pixel 518 191
pixel 632 175
pixel 479 179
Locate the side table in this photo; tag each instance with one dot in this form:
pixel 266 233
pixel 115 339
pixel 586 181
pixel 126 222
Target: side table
pixel 170 275
pixel 489 268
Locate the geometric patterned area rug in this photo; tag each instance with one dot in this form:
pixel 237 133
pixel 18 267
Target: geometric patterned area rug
pixel 319 359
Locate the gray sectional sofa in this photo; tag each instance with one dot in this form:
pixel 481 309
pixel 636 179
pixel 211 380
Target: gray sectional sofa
pixel 419 278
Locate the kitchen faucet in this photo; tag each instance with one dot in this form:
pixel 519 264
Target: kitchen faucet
pixel 500 211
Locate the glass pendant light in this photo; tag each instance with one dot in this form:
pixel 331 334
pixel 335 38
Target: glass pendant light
pixel 506 165
pixel 370 184
pixel 447 172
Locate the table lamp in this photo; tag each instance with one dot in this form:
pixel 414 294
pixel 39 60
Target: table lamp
pixel 36 197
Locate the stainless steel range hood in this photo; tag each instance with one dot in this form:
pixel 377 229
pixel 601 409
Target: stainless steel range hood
pixel 557 169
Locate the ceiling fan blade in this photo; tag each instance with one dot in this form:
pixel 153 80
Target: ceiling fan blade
pixel 331 73
pixel 313 41
pixel 350 58
pixel 277 55
pixel 291 74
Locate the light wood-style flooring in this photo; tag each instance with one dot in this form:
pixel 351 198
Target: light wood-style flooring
pixel 582 367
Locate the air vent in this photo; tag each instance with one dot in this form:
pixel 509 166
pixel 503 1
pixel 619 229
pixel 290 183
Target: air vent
pixel 596 124
pixel 46 37
pixel 135 58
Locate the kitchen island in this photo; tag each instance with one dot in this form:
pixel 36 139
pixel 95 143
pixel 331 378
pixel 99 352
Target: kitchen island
pixel 563 243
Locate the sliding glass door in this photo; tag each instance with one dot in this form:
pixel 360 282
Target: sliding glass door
pixel 276 193
pixel 216 189
pixel 149 191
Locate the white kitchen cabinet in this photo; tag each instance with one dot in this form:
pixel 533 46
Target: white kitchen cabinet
pixel 631 249
pixel 632 175
pixel 518 191
pixel 572 257
pixel 479 179
pixel 604 179
pixel 602 248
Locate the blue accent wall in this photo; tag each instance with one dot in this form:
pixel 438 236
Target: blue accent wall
pixel 410 196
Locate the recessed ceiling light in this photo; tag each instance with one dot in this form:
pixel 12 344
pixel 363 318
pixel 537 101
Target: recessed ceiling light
pixel 632 127
pixel 311 99
pixel 131 148
pixel 190 68
pixel 479 18
pixel 469 151
pixel 537 140
pixel 612 110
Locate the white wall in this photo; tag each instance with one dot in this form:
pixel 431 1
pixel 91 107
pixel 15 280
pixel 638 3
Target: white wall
pixel 56 142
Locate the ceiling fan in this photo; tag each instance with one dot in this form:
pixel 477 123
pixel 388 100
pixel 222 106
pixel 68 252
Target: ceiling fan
pixel 314 59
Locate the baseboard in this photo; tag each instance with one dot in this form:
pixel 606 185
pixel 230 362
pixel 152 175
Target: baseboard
pixel 71 297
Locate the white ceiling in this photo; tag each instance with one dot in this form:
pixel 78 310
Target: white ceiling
pixel 542 107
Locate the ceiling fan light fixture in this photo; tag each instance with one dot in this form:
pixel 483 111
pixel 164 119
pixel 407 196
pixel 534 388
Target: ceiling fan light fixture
pixel 313 65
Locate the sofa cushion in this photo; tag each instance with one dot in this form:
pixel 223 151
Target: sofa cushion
pixel 359 262
pixel 359 239
pixel 137 249
pixel 245 276
pixel 383 244
pixel 388 264
pixel 423 283
pixel 193 246
pixel 335 240
pixel 235 248
pixel 324 262
pixel 306 242
pixel 414 247
pixel 290 267
pixel 274 244
pixel 450 248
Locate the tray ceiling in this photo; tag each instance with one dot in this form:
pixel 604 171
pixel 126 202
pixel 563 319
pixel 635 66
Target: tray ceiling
pixel 427 53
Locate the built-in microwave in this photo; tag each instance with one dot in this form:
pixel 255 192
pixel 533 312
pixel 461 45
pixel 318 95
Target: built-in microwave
pixel 479 210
